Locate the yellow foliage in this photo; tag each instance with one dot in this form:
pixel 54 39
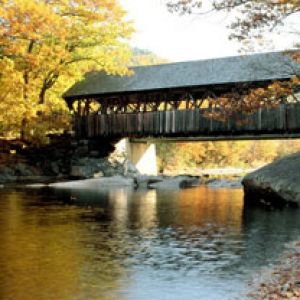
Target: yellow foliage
pixel 47 45
pixel 177 156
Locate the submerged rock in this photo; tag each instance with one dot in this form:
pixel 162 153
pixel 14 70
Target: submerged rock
pixel 275 184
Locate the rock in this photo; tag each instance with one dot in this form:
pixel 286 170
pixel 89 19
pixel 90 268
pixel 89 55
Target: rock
pixel 88 167
pixel 145 181
pixel 17 172
pixel 81 171
pixel 110 172
pixel 129 169
pixel 82 150
pixel 98 183
pixel 94 153
pixel 275 184
pixel 6 171
pixel 54 167
pixel 98 174
pixel 22 169
pixel 67 158
pixel 224 183
pixel 165 182
pixel 175 182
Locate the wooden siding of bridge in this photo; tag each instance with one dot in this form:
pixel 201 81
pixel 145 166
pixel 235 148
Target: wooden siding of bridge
pixel 187 123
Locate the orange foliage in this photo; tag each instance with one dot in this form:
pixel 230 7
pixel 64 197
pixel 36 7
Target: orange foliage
pixel 47 45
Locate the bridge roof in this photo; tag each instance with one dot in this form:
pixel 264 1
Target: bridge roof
pixel 220 71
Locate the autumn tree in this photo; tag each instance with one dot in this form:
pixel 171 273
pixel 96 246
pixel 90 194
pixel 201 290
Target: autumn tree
pixel 252 19
pixel 46 45
pixel 174 157
pixel 144 57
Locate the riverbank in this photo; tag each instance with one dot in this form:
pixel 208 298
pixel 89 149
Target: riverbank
pixel 66 162
pixel 277 184
pixel 137 182
pixel 282 281
pixel 63 161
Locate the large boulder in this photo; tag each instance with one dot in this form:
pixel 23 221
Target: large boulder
pixel 275 184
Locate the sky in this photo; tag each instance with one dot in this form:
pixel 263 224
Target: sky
pixel 181 38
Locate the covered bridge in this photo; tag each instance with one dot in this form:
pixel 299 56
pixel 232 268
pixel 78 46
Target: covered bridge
pixel 169 100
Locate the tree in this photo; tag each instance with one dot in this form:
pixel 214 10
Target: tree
pixel 46 45
pixel 252 19
pixel 143 57
pixel 252 16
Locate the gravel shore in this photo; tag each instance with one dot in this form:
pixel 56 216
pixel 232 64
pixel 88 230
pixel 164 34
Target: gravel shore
pixel 280 282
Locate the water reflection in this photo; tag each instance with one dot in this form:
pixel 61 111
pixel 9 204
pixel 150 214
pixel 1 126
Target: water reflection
pixel 125 244
pixel 43 254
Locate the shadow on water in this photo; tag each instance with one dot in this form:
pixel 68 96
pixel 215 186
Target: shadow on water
pixel 123 244
pixel 268 231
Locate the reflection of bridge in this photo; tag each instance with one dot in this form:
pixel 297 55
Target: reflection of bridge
pixel 171 101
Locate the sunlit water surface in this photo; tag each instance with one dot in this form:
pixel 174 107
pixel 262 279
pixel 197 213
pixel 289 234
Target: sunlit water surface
pixel 122 244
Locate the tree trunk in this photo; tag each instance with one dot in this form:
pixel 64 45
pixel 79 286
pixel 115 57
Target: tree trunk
pixel 42 96
pixel 23 130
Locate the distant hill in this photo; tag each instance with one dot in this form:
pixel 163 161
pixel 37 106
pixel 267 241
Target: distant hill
pixel 143 57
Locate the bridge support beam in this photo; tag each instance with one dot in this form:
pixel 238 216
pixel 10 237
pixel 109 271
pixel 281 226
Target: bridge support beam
pixel 141 155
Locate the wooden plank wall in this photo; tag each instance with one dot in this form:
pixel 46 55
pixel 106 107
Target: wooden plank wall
pixel 282 119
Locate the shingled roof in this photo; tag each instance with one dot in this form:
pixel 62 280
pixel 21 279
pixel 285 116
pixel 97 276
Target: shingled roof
pixel 228 70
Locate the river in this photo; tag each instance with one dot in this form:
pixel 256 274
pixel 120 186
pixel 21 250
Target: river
pixel 121 244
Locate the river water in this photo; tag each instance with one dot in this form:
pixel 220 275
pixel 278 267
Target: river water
pixel 121 244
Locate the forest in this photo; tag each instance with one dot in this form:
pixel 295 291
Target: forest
pixel 175 157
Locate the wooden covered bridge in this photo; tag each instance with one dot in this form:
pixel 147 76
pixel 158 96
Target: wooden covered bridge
pixel 170 100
